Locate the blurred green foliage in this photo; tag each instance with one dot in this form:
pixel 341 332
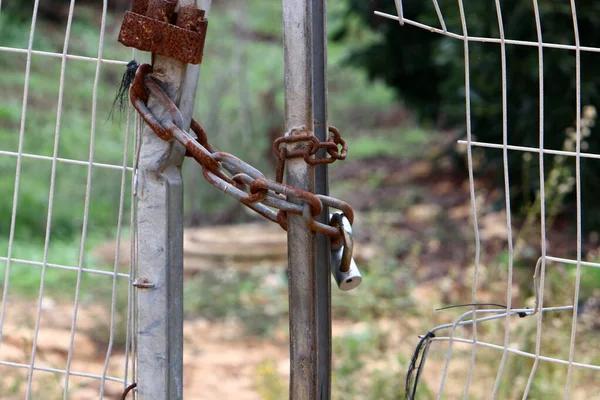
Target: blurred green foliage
pixel 427 70
pixel 74 128
pixel 239 102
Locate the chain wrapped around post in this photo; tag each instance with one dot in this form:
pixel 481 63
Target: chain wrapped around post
pixel 239 179
pixel 308 151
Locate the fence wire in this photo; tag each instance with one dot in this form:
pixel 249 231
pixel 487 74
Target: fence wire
pixel 476 318
pixel 110 374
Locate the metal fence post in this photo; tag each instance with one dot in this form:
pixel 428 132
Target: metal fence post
pixel 301 240
pixel 159 275
pixel 323 275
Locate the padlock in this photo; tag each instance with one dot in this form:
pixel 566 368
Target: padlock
pixel 343 267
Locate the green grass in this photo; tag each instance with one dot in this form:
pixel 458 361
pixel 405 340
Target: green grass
pixel 258 297
pixel 354 351
pixel 388 145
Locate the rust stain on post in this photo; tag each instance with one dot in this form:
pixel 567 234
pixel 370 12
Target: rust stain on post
pixel 190 18
pixel 162 10
pixel 139 6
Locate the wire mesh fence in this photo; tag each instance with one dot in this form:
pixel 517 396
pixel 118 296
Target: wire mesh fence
pixel 67 187
pixel 523 361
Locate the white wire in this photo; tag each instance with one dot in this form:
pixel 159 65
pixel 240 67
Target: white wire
pixel 11 236
pixel 88 190
pixel 63 160
pixel 130 347
pixel 121 211
pixel 60 55
pixel 63 267
pixel 573 262
pixel 60 371
pixel 532 149
pixel 500 313
pixel 542 272
pixel 506 201
pixel 133 266
pixel 460 321
pixel 50 198
pixel 488 39
pixel 519 352
pixel 471 191
pixel 438 11
pixel 400 11
pixel 578 200
pixel 473 206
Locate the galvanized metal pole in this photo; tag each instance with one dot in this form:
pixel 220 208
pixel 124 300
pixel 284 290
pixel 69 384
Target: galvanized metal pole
pixel 301 240
pixel 159 312
pixel 323 275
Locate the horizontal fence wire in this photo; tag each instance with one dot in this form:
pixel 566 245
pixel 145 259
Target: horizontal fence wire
pixel 63 267
pixel 61 55
pixel 510 342
pixel 107 371
pixel 489 39
pixel 65 160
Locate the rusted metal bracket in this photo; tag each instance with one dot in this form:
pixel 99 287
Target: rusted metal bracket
pixel 155 26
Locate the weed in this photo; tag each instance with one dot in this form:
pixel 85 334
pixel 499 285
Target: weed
pixel 257 297
pixel 269 384
pixel 358 371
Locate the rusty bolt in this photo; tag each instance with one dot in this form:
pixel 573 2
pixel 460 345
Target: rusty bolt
pixel 143 283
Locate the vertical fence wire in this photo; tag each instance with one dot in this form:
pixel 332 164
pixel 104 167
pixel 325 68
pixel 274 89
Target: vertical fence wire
pixel 88 189
pixel 543 240
pixel 578 197
pixel 506 201
pixel 13 218
pixel 131 339
pixel 51 195
pixel 120 216
pixel 474 211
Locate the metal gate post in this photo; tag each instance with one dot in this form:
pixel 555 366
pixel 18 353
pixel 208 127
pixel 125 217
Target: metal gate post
pixel 323 275
pixel 301 240
pixel 159 274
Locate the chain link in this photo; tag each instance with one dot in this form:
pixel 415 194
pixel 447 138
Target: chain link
pixel 307 151
pixel 271 199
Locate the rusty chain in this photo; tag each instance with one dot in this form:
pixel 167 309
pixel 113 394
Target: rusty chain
pixel 238 178
pixel 127 390
pixel 308 151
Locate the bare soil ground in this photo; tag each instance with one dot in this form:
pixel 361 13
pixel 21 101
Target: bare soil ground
pixel 220 361
pixel 426 207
